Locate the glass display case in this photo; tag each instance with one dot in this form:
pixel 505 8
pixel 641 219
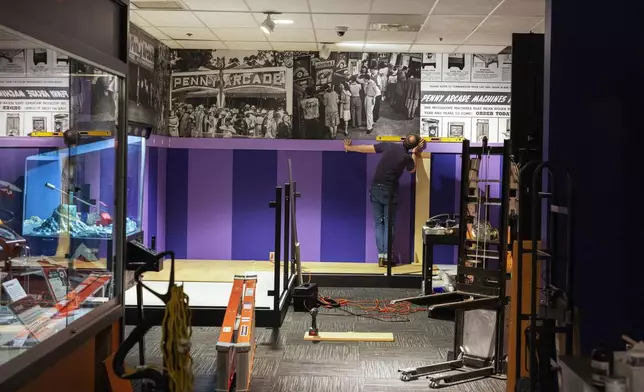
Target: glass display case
pixel 69 194
pixel 59 219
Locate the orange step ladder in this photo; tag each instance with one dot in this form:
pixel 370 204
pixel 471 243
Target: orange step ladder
pixel 236 345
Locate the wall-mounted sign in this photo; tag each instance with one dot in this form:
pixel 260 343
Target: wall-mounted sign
pixel 141 49
pixel 266 79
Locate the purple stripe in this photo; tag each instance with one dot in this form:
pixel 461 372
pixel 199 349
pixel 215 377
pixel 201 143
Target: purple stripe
pixel 34 142
pixel 371 251
pixel 307 172
pixel 210 197
pixel 283 144
pixel 161 190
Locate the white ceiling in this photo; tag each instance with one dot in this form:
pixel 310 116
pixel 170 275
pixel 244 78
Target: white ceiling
pixel 464 26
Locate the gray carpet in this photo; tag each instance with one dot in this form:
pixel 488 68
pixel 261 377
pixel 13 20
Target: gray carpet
pixel 286 363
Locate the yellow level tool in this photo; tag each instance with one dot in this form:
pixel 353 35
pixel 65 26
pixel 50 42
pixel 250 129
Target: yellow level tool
pixel 427 139
pixel 60 134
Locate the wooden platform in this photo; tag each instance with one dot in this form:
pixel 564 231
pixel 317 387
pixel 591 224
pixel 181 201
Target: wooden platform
pixel 224 270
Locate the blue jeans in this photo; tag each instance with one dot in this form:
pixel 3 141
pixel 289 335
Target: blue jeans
pixel 379 195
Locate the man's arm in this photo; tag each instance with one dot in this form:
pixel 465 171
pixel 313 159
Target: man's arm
pixel 365 149
pixel 416 156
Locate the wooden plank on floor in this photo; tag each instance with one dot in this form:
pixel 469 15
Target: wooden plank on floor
pixel 421 215
pixel 351 337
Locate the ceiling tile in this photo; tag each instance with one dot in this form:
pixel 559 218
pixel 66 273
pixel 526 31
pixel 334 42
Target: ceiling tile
pixel 170 43
pixel 198 33
pixel 227 19
pixel 300 21
pixel 170 18
pixel 216 5
pixel 292 35
pixel 137 20
pixel 344 48
pixel 340 6
pixel 433 48
pixel 329 22
pixel 153 31
pixel 484 49
pixel 448 38
pixel 390 37
pixel 232 45
pixel 522 8
pixel 442 23
pixel 202 44
pixel 332 36
pixel 507 24
pixel 402 6
pixel 465 7
pixel 278 5
pixel 489 39
pixel 239 34
pixel 386 48
pixel 539 29
pixel 303 46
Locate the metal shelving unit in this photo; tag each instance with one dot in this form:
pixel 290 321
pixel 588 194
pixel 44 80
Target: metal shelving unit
pixel 551 303
pixel 479 301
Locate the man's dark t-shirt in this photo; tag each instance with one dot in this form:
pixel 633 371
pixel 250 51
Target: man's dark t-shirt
pixel 393 162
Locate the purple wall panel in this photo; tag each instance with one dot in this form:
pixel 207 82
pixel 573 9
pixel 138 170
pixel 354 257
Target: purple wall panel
pixel 307 173
pixel 161 197
pixel 210 197
pixel 371 252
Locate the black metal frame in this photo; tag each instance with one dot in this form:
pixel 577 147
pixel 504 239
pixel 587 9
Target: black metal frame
pixel 476 287
pixel 284 284
pixel 555 314
pixel 24 19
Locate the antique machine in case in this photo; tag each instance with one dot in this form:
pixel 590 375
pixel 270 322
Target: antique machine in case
pixel 69 199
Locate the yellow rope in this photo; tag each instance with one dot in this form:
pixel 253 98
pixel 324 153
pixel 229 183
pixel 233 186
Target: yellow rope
pixel 176 334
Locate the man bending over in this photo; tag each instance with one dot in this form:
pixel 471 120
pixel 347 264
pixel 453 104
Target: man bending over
pixel 394 160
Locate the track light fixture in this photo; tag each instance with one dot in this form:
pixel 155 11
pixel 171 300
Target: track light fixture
pixel 268 25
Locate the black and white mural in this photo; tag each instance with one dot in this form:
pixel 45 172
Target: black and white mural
pixel 299 95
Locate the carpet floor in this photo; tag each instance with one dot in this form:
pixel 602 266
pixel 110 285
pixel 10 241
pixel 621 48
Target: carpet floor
pixel 286 363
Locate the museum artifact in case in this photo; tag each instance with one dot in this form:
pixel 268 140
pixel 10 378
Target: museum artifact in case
pixel 70 192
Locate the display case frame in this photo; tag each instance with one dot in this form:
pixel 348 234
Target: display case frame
pixel 105 51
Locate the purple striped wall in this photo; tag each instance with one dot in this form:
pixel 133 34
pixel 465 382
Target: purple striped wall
pixel 210 197
pixel 307 171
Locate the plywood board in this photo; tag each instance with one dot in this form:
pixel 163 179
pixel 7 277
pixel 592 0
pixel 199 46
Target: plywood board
pixel 421 209
pixel 351 337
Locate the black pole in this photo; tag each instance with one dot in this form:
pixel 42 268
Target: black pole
pixel 153 243
pixel 277 205
pixel 296 268
pixel 119 259
pixel 464 212
pixel 523 233
pixel 390 230
pixel 287 231
pixel 504 221
pixel 569 268
pixel 139 313
pixel 535 233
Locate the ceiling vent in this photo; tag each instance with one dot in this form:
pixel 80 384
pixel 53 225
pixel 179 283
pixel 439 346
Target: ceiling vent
pixel 157 4
pixel 409 23
pixel 394 27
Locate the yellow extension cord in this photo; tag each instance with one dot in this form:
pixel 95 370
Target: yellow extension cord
pixel 176 334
